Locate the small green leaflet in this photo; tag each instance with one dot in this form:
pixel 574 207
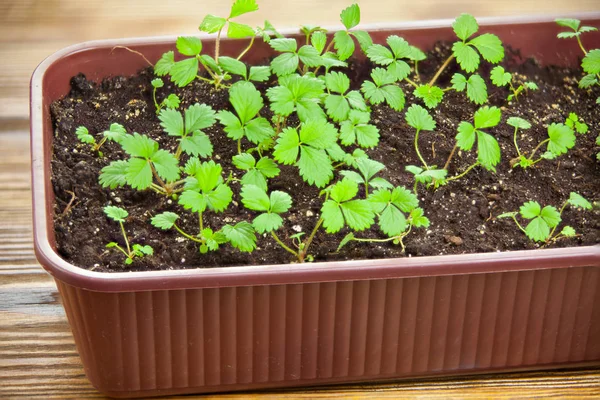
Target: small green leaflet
pixel 488 149
pixel 562 138
pixel 588 81
pixel 165 63
pixel 314 138
pixel 475 85
pixel 247 102
pixel 189 46
pixel 542 220
pixel 117 214
pixel 212 24
pixel 350 16
pixel 500 77
pixel 241 7
pixel 368 169
pixel 431 95
pixel 343 42
pixel 577 200
pixel 140 251
pixel 574 25
pixel 518 122
pixel 591 62
pixel 165 220
pixel 185 71
pixel 341 210
pixel 241 236
pixel 383 89
pixel 287 63
pixel 114 174
pixel 419 118
pixel 573 122
pixel 465 26
pixel 257 199
pixel 257 172
pixel 297 93
pixel 400 49
pixel 338 106
pixel 357 130
pixel 427 175
pixel 84 135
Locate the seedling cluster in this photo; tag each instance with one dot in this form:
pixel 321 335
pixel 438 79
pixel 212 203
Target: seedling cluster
pixel 312 118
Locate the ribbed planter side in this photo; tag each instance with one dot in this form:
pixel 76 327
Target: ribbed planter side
pixel 234 338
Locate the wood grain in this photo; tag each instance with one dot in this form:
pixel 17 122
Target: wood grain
pixel 32 30
pixel 38 358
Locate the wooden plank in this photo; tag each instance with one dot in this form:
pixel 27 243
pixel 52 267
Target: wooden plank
pixel 38 358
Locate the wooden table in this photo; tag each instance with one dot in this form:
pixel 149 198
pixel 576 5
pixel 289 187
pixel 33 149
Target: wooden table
pixel 37 354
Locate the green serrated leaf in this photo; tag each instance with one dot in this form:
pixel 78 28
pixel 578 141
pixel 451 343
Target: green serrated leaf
pixel 309 56
pixel 212 24
pixel 518 122
pixel 500 77
pixel 562 138
pixel 172 122
pixel 197 144
pixel 487 117
pixel 83 135
pixel 467 57
pixel 114 174
pixel 259 74
pixel 477 89
pixel 337 82
pixel 241 7
pixel 165 63
pixel 315 166
pixel 577 200
pixel 419 118
pixel 350 16
pixel 239 31
pixel 431 95
pixel 591 62
pixel 115 213
pixel 488 150
pixel 255 198
pixel 568 23
pixel 465 26
pixel 490 47
pixel 343 44
pixel 233 66
pixel 185 71
pixel 189 46
pixel 165 220
pixel 166 165
pixel 319 39
pixel 241 236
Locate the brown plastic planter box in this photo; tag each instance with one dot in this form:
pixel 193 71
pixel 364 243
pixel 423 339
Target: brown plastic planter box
pixel 225 329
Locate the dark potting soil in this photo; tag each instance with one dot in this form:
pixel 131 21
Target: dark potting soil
pixel 462 213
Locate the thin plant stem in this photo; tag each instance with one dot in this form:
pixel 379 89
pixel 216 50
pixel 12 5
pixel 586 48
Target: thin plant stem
pixel 125 237
pixel 417 76
pixel 302 254
pixel 560 214
pixel 201 222
pixel 439 72
pixel 217 45
pixel 203 78
pixel 243 53
pixel 413 83
pixel 417 149
pixel 450 157
pixel 538 147
pixel 324 52
pixel 514 217
pixel 515 141
pixel 283 245
pixel 187 235
pixel 463 173
pixel 581 45
pixel 155 102
pixel 239 146
pixel 157 177
pixel 122 250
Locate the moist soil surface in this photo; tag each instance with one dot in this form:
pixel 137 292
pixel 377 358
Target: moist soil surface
pixel 462 213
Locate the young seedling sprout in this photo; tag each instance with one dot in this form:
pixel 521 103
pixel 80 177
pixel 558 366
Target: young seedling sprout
pixel 576 123
pixel 543 222
pixel 560 139
pixel 591 59
pixel 114 133
pixel 171 101
pixel 119 215
pixel 501 78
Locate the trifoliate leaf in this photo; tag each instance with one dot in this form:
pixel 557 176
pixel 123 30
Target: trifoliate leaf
pixel 241 236
pixel 185 71
pixel 350 16
pixel 490 47
pixel 487 117
pixel 165 220
pixel 114 174
pixel 467 57
pixel 259 74
pixel 418 219
pixel 172 101
pixel 562 138
pixel 578 200
pixel 84 135
pixel 518 122
pixel 233 66
pixel 568 231
pixel 300 93
pixel 357 130
pixel 465 26
pixel 343 44
pixel 431 95
pixel 500 77
pixel 239 31
pixel 591 62
pixel 165 63
pixel 116 213
pixel 419 118
pixel 241 7
pixel 212 24
pixel 189 45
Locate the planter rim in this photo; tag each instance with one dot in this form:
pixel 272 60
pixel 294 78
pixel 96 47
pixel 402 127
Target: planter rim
pixel 283 273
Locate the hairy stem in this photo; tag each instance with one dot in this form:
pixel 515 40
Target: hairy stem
pixel 201 221
pixel 413 83
pixel 243 53
pixel 304 251
pixel 122 250
pixel 417 149
pixel 283 245
pixel 217 45
pixel 439 71
pixel 466 171
pixel 125 237
pixel 155 102
pixel 515 141
pixel 581 45
pixel 187 235
pixel 514 217
pixel 417 76
pixel 157 177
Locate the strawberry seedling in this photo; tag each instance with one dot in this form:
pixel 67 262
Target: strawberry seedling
pixel 560 139
pixel 501 78
pixel 119 215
